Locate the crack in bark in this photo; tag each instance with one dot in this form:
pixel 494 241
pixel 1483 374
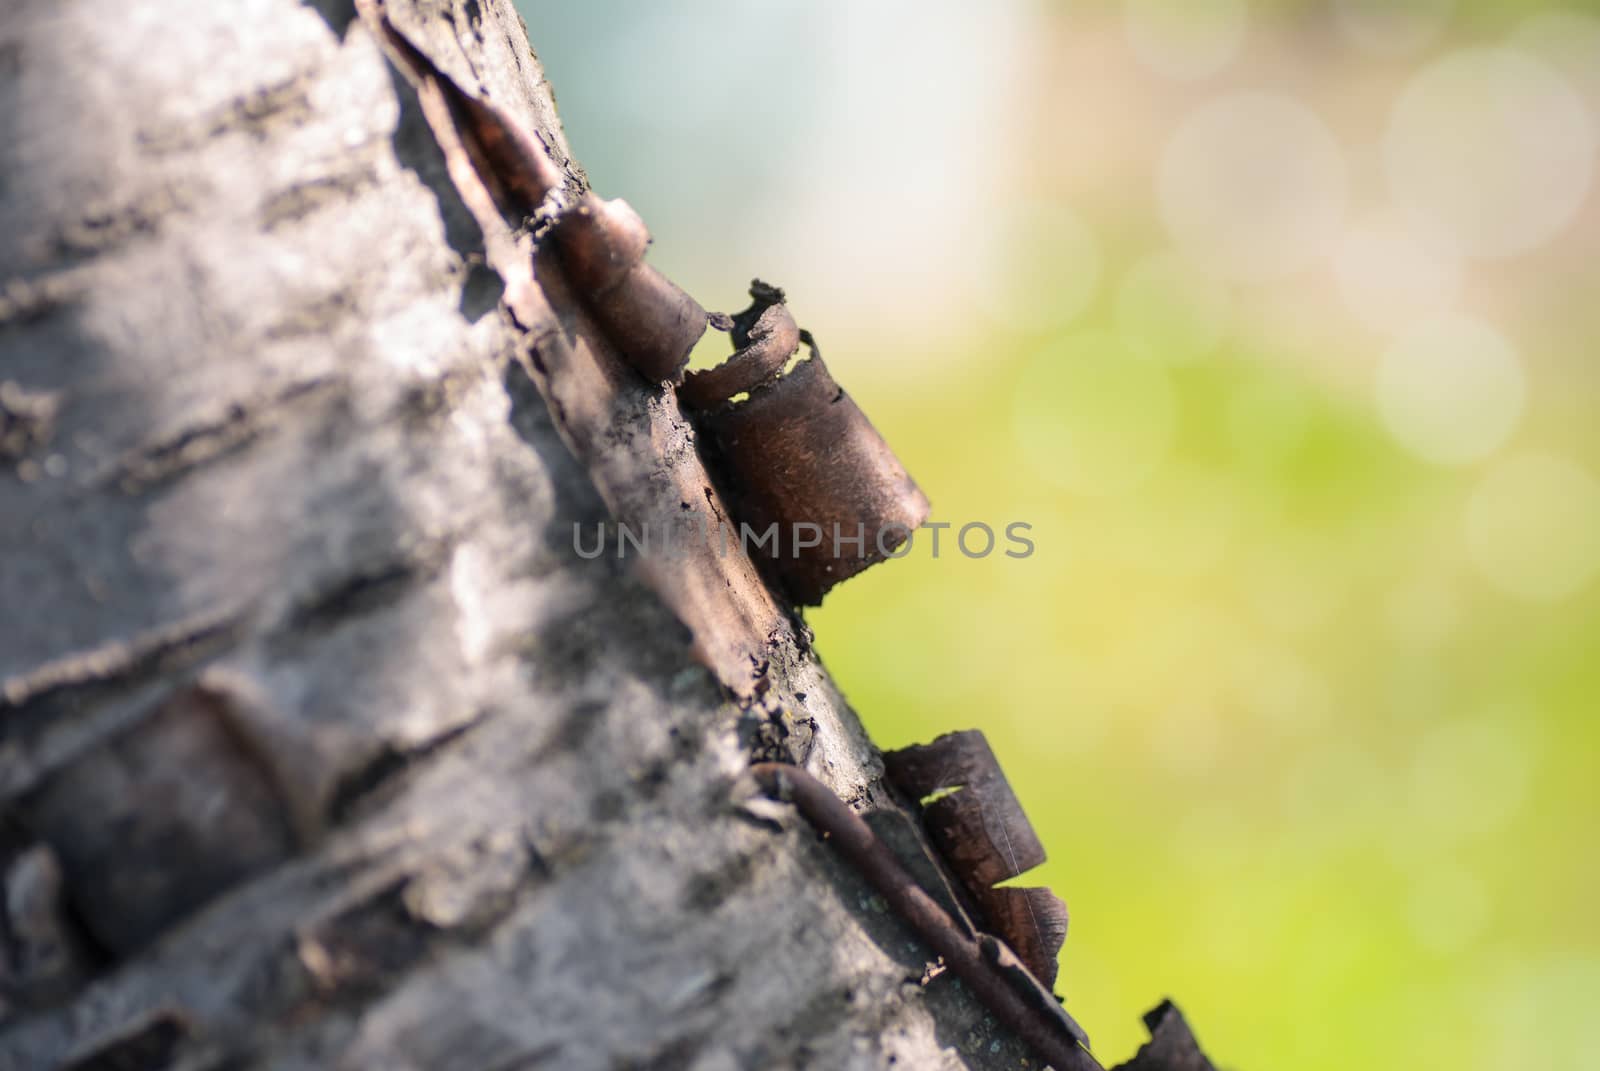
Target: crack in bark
pixel 26 300
pixel 315 195
pixel 118 663
pixel 362 591
pixel 257 113
pixel 208 440
pixel 111 224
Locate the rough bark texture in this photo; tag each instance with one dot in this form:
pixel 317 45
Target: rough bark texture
pixel 319 746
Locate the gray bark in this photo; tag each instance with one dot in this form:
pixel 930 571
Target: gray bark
pixel 319 746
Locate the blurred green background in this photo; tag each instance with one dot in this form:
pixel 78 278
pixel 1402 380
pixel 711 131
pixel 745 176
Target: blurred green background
pixel 1277 322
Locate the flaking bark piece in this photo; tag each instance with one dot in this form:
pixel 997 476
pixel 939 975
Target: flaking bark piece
pixel 1172 1045
pixel 765 335
pixel 974 818
pixel 1036 912
pixel 650 320
pixel 983 962
pixel 512 162
pixel 817 491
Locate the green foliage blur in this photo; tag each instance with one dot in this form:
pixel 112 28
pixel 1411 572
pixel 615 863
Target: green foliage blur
pixel 1300 683
pixel 1296 765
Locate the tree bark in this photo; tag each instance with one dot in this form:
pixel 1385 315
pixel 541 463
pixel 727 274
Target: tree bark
pixel 320 747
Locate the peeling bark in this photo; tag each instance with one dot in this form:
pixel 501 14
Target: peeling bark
pixel 320 747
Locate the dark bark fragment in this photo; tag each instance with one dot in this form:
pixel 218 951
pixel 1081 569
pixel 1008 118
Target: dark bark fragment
pixel 650 321
pixel 804 464
pixel 978 824
pixel 1172 1045
pixel 983 962
pixel 765 336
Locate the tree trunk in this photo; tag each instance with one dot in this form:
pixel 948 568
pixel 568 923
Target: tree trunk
pixel 320 746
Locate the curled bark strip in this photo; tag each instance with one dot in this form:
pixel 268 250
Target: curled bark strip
pixel 512 161
pixel 601 241
pixel 981 961
pixel 979 827
pixel 1034 921
pixel 647 317
pixel 766 336
pixel 650 321
pixel 976 817
pixel 1172 1045
pixel 819 490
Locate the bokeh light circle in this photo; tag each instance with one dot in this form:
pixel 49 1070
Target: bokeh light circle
pixel 1389 279
pixel 1451 391
pixel 1489 153
pixel 1533 526
pixel 1093 417
pixel 1389 27
pixel 1041 267
pixel 1185 39
pixel 1170 311
pixel 1253 186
